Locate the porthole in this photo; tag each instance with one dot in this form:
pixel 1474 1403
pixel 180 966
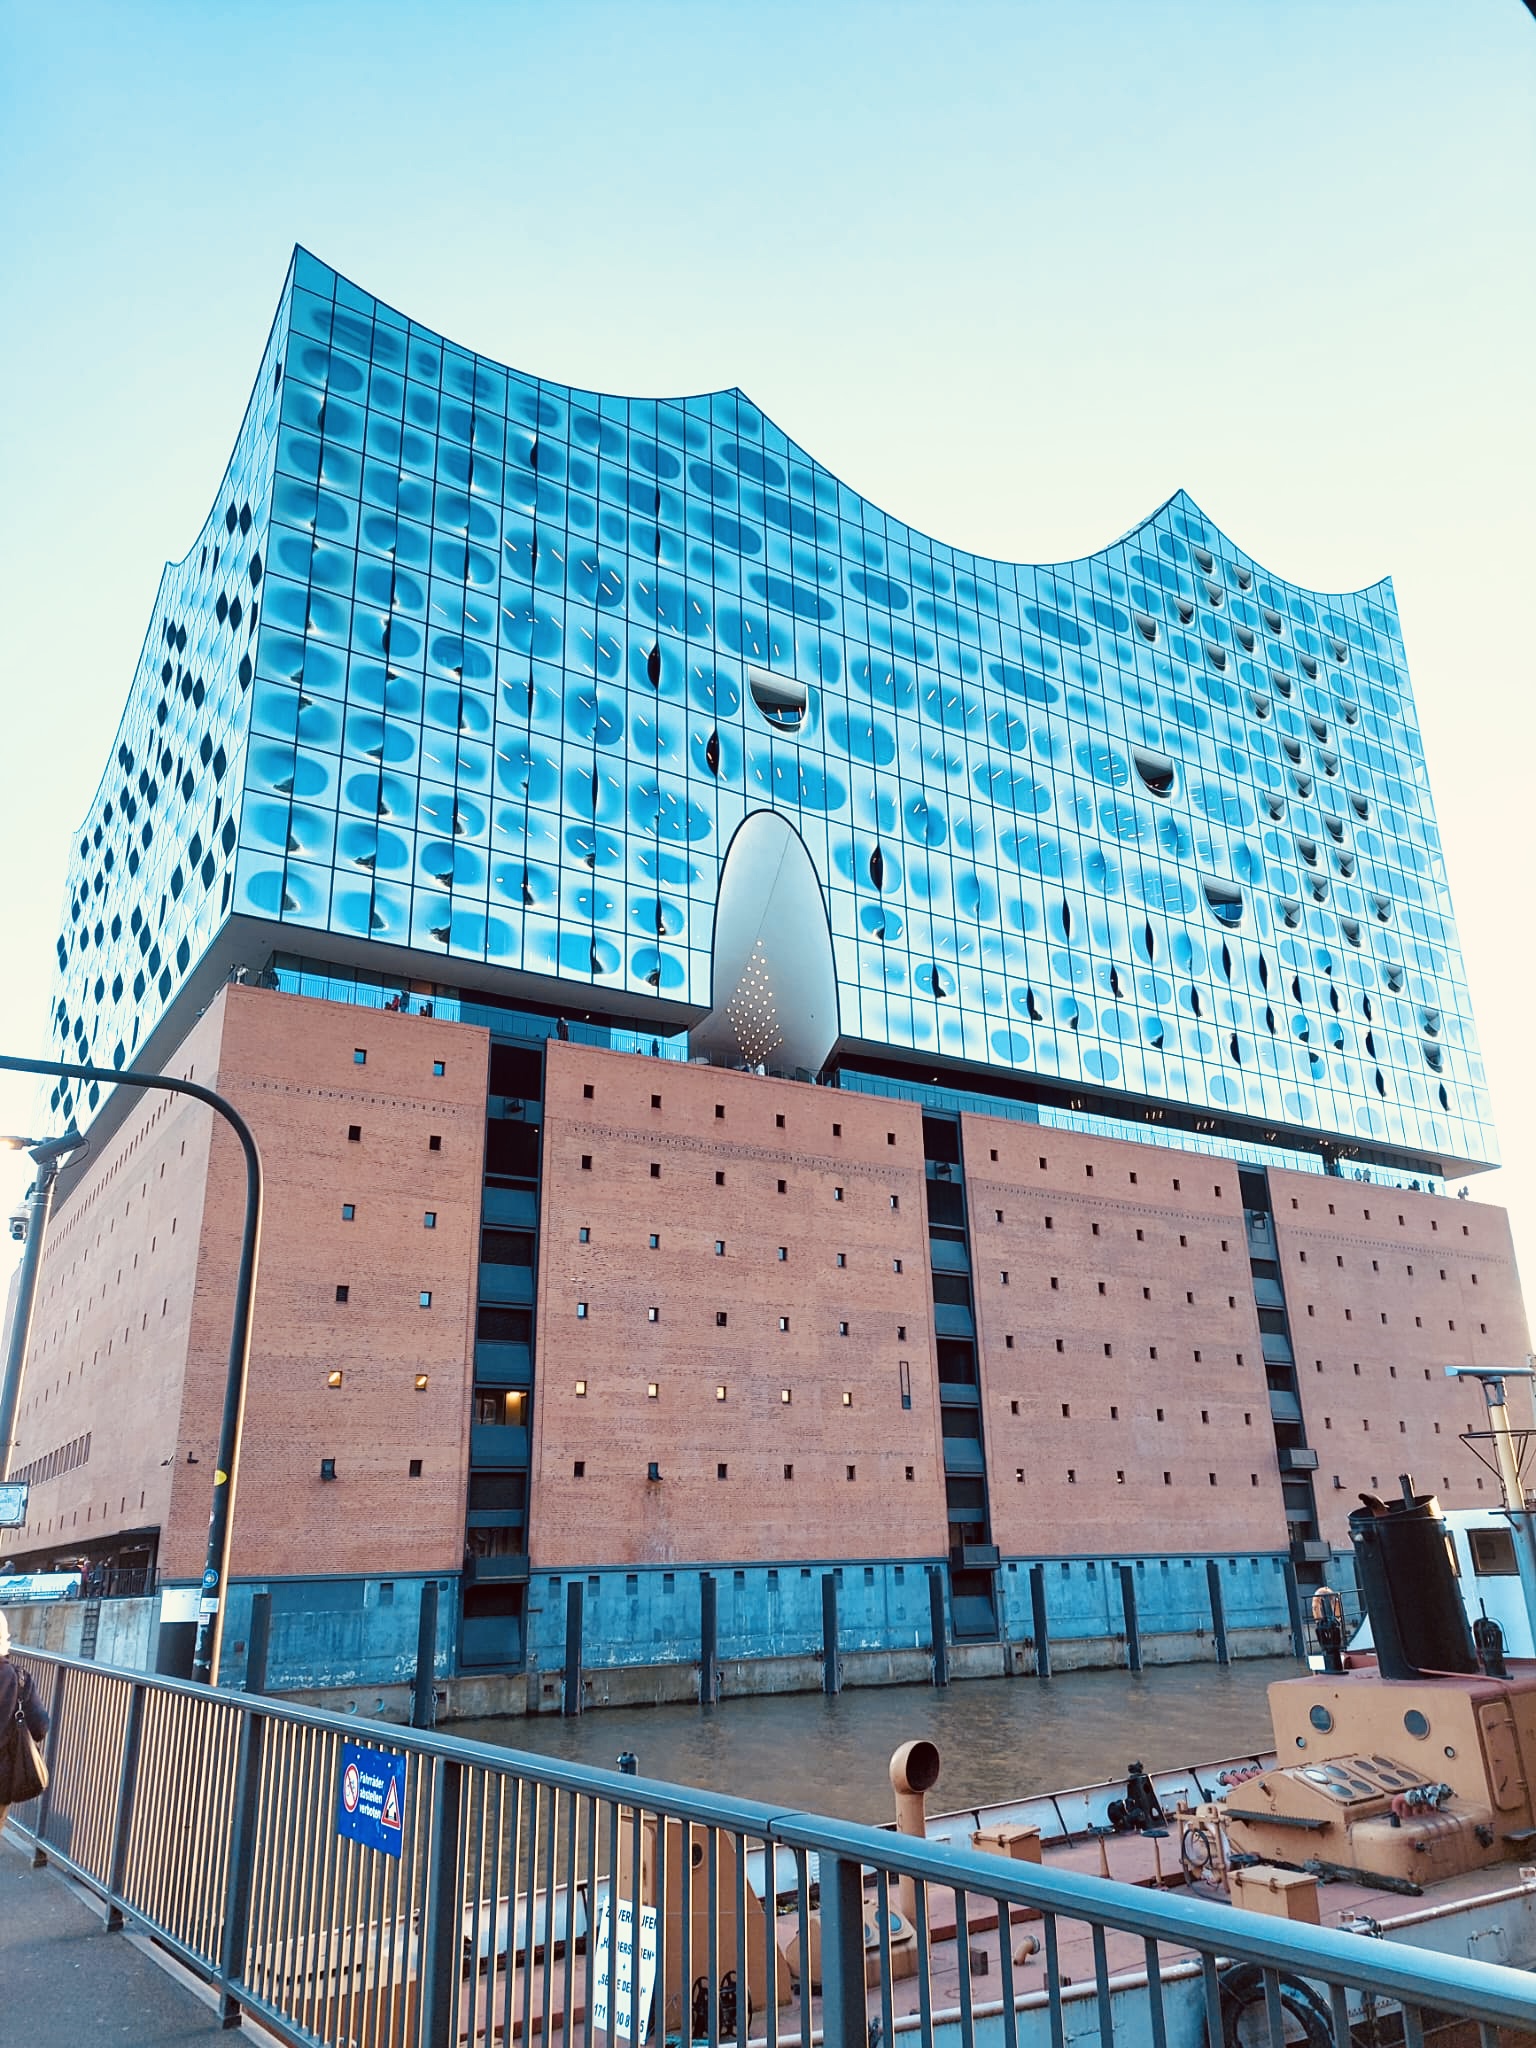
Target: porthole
pixel 1321 1719
pixel 781 699
pixel 1157 771
pixel 1417 1724
pixel 1225 901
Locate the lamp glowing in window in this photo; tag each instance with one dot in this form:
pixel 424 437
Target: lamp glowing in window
pixel 333 1379
pixel 581 1389
pixel 847 1397
pixel 422 1382
pixel 785 1395
pixel 719 1393
pixel 652 1390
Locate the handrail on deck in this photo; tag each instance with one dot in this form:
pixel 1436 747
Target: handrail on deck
pixel 516 1898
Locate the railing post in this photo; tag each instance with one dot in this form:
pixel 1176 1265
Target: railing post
pixel 258 1643
pixel 424 1691
pixel 1293 1605
pixel 242 1848
pixel 442 1944
pixel 122 1820
pixel 51 1759
pixel 570 1696
pixel 831 1670
pixel 1218 1611
pixel 843 2012
pixel 709 1641
pixel 936 1624
pixel 1042 1633
pixel 1132 1625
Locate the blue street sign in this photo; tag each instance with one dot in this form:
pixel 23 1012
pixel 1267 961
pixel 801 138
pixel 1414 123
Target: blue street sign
pixel 371 1797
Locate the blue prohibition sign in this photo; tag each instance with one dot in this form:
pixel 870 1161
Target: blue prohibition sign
pixel 370 1797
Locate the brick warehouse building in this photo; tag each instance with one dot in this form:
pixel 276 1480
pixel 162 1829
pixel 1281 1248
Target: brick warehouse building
pixel 776 1048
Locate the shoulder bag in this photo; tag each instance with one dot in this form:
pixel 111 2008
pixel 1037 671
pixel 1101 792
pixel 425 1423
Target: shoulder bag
pixel 23 1774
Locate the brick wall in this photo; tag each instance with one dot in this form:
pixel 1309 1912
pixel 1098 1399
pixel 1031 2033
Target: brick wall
pixel 1135 1347
pixel 133 1319
pixel 112 1324
pixel 700 1167
pixel 1385 1288
pixel 155 1222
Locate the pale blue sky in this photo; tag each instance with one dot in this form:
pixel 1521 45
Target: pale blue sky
pixel 1017 272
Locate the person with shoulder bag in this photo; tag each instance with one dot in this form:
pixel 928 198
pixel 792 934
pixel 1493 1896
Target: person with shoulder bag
pixel 23 1724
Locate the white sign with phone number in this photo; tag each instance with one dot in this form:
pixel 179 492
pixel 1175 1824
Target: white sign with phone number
pixel 624 1968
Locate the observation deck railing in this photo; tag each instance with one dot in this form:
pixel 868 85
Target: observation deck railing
pixel 209 1820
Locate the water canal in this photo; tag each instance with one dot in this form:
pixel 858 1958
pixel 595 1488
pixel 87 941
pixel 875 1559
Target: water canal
pixel 999 1738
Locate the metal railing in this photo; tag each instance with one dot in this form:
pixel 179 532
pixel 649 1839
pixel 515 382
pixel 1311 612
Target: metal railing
pixel 520 1896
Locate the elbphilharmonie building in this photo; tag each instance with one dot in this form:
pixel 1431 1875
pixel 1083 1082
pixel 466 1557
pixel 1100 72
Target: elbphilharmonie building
pixel 817 1090
pixel 633 701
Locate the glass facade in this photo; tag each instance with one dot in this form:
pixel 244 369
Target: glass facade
pixel 489 671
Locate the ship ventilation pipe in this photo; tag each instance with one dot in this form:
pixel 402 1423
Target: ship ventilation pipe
pixel 914 1773
pixel 1403 1558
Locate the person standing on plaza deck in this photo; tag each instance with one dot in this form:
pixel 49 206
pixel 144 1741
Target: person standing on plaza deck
pixel 16 1692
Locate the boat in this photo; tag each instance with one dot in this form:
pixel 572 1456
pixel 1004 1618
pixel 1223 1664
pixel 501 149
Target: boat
pixel 1399 1803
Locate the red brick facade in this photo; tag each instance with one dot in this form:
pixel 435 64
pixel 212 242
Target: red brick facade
pixel 815 1207
pixel 1133 1391
pixel 151 1235
pixel 1385 1288
pixel 757 1253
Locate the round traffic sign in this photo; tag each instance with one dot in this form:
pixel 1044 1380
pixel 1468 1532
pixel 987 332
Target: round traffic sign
pixel 349 1788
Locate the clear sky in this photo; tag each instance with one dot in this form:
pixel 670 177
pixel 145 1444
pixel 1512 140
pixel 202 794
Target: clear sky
pixel 1015 271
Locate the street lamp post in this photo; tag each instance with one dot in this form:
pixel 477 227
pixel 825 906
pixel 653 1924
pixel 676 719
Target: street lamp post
pixel 210 1619
pixel 48 1155
pixel 1507 1458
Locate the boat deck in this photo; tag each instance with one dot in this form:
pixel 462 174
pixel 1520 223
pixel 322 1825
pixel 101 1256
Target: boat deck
pixel 1125 1859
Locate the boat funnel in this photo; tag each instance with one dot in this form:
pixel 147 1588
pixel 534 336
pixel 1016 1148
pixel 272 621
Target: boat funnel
pixel 1403 1558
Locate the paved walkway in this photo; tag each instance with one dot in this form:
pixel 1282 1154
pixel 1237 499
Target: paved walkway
pixel 65 1981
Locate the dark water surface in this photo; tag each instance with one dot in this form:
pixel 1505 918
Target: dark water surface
pixel 999 1737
